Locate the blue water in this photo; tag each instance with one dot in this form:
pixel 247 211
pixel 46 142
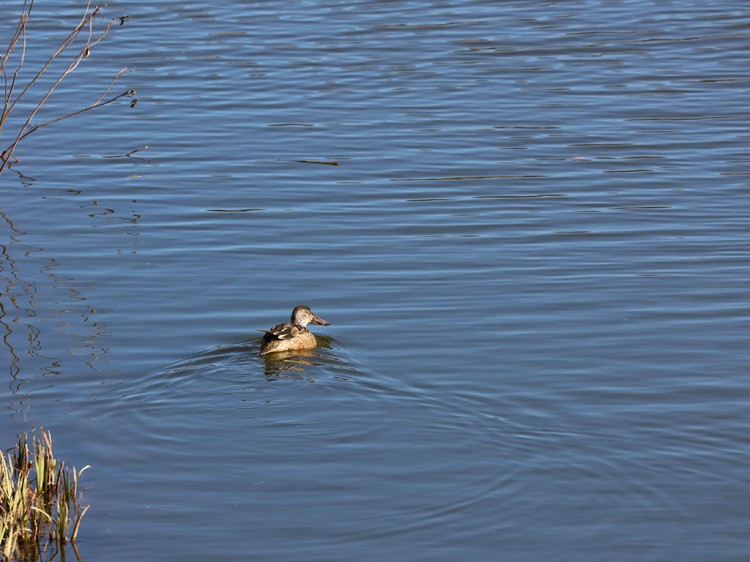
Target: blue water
pixel 533 251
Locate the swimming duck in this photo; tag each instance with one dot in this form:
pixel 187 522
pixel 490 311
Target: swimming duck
pixel 293 335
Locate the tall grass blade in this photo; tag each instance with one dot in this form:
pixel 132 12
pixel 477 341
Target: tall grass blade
pixel 39 504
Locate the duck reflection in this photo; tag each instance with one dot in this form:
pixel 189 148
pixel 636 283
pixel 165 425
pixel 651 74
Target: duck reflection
pixel 296 364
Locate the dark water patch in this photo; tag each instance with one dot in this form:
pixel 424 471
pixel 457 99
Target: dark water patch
pixel 234 210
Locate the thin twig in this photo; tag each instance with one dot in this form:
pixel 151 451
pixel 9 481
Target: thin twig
pixel 63 46
pixel 20 33
pixel 115 79
pixel 90 107
pixel 87 20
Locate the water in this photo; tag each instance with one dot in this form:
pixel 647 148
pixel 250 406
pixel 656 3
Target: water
pixel 533 252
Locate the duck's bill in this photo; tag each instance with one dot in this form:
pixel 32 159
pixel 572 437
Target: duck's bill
pixel 319 320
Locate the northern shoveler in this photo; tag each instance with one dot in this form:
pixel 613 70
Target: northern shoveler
pixel 293 335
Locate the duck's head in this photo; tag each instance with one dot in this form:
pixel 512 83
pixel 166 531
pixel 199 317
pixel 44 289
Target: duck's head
pixel 302 316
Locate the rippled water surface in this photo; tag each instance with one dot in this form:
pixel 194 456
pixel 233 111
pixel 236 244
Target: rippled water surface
pixel 527 223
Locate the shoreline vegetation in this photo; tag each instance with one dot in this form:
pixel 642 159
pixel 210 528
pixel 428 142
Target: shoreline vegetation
pixel 39 501
pixel 19 84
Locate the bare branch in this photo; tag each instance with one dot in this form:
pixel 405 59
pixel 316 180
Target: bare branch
pixel 63 46
pixel 115 79
pixel 74 113
pixel 10 101
pixel 20 33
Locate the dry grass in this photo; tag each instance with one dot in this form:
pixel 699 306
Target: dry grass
pixel 76 46
pixel 39 506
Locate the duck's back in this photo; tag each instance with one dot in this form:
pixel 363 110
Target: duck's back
pixel 287 337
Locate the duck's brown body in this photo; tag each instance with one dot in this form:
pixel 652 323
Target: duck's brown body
pixel 293 335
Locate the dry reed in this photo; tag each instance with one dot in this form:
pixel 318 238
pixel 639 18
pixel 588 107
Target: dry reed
pixel 39 507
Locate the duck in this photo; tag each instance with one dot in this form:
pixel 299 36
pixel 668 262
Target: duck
pixel 293 335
